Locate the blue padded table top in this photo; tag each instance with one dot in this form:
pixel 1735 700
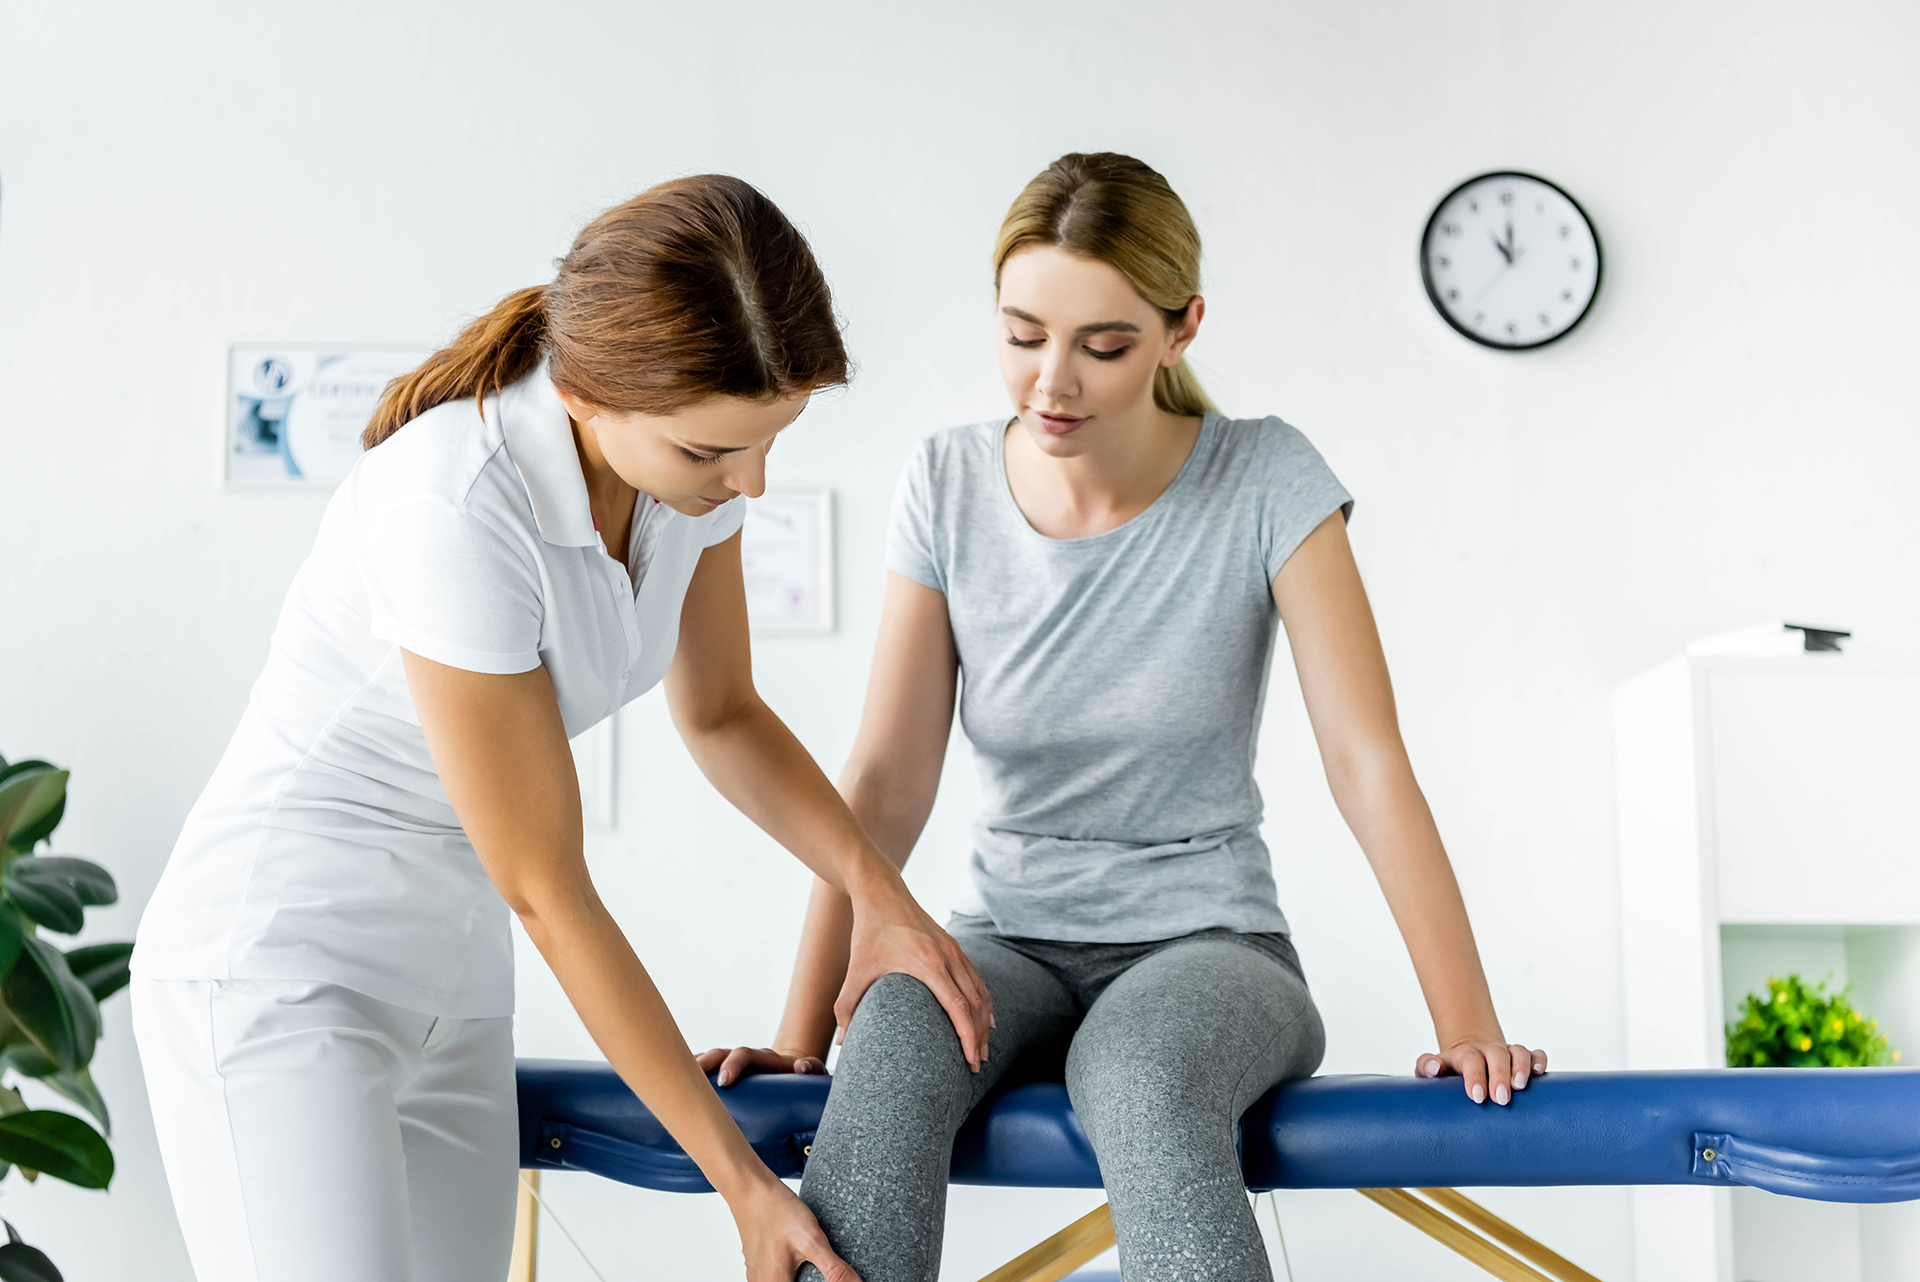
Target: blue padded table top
pixel 1845 1135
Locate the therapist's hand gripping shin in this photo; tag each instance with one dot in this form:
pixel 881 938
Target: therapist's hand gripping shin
pixel 1343 675
pixel 501 751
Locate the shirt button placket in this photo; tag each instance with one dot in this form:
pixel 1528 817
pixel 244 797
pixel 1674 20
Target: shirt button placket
pixel 632 621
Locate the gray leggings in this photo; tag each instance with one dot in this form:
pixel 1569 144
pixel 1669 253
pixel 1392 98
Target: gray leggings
pixel 1163 1046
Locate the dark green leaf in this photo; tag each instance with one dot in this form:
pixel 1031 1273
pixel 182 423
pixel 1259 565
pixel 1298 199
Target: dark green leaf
pixel 54 906
pixel 57 1144
pixel 28 797
pixel 22 1263
pixel 79 1088
pixel 26 838
pixel 91 883
pixel 51 1006
pixel 55 889
pixel 11 938
pixel 101 967
pixel 27 1060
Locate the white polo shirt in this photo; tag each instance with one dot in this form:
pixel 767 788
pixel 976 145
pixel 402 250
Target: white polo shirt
pixel 324 848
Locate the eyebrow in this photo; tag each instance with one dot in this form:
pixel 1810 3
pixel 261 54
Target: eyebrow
pixel 1098 327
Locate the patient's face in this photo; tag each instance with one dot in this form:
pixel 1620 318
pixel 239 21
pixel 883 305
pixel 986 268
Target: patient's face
pixel 698 458
pixel 1078 348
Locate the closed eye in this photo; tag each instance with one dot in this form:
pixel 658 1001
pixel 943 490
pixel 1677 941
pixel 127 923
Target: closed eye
pixel 1094 352
pixel 695 457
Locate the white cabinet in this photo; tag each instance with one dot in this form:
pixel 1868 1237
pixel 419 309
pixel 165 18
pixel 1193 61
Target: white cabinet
pixel 1767 824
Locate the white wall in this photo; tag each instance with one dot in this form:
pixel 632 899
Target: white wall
pixel 1729 437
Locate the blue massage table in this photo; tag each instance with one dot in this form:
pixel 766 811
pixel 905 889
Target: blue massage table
pixel 1836 1135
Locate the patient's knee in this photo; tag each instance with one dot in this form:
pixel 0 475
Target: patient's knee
pixel 1119 1094
pixel 899 1018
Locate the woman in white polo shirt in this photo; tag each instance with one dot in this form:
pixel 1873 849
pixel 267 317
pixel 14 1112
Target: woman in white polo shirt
pixel 324 974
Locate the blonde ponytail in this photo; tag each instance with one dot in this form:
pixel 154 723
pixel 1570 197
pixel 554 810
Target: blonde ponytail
pixel 1177 390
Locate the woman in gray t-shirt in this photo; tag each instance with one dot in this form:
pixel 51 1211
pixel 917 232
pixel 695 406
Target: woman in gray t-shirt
pixel 1102 580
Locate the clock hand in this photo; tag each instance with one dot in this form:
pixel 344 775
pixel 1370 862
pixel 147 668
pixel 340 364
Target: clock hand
pixel 1504 251
pixel 1497 278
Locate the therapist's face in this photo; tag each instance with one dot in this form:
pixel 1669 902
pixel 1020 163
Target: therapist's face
pixel 693 460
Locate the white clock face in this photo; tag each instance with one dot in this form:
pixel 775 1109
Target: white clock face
pixel 1510 260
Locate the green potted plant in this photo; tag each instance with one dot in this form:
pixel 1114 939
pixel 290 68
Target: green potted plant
pixel 49 1000
pixel 1793 1025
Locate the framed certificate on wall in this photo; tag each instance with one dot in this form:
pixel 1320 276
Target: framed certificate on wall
pixel 786 554
pixel 295 411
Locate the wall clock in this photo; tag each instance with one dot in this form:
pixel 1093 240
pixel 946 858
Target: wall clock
pixel 1510 260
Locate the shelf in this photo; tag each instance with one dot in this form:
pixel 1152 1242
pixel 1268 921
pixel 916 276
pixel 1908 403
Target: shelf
pixel 1785 1239
pixel 1763 829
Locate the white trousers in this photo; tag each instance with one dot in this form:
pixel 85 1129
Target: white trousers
pixel 313 1134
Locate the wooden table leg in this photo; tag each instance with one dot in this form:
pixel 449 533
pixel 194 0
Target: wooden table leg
pixel 526 1229
pixel 1508 1236
pixel 1454 1235
pixel 1062 1253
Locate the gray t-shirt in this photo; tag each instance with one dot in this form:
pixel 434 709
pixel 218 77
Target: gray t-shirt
pixel 1112 685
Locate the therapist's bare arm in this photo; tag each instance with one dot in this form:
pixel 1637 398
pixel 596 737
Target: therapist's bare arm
pixel 1343 675
pixel 754 760
pixel 889 783
pixel 501 751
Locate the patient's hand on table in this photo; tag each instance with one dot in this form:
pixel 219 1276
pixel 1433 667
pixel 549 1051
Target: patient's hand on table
pixel 742 1061
pixel 1480 1062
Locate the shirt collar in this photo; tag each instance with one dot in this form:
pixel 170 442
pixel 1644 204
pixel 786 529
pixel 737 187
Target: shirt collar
pixel 539 439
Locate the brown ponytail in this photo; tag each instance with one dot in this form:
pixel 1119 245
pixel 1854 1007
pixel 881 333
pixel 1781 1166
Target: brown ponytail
pixel 1116 210
pixel 499 348
pixel 698 287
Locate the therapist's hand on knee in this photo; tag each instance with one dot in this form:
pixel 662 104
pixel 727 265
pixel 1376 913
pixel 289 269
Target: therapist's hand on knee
pixel 893 934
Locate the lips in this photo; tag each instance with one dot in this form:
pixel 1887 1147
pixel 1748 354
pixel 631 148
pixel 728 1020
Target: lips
pixel 1058 424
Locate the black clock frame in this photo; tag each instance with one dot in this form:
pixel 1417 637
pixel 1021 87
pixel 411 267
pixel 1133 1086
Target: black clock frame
pixel 1433 294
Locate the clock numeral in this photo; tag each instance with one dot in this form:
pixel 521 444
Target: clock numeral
pixel 1512 328
pixel 1474 205
pixel 1506 198
pixel 1453 296
pixel 1451 229
pixel 1574 263
pixel 1566 296
pixel 1479 318
pixel 1443 263
pixel 1565 231
pixel 1545 320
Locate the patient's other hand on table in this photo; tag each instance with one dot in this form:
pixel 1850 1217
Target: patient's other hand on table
pixel 1505 1066
pixel 742 1061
